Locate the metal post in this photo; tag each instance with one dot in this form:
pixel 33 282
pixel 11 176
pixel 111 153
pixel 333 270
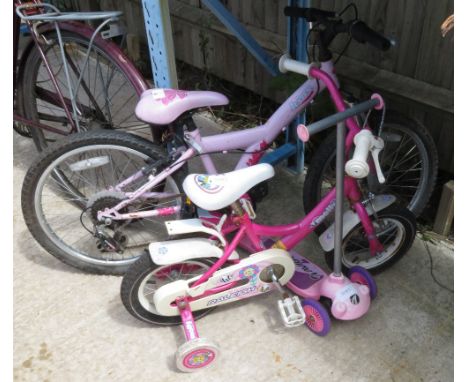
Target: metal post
pixel 340 155
pixel 297 45
pixel 161 46
pixel 244 37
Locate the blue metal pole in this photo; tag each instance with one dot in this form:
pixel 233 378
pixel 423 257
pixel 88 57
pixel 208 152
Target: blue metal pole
pixel 297 45
pixel 160 44
pixel 246 39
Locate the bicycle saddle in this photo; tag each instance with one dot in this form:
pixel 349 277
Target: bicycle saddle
pixel 213 192
pixel 163 106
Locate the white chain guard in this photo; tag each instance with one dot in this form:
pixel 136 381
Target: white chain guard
pixel 247 271
pixel 351 219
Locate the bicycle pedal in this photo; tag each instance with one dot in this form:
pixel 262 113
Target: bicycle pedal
pixel 291 311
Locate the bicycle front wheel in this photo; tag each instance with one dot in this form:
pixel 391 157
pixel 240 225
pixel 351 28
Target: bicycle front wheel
pixel 105 97
pixel 74 180
pixel 409 162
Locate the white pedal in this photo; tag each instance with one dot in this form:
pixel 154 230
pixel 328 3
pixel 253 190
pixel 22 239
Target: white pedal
pixel 291 311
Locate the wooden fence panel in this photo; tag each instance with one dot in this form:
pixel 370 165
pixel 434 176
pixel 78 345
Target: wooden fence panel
pixel 416 76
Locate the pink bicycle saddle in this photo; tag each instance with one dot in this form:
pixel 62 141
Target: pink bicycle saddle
pixel 163 106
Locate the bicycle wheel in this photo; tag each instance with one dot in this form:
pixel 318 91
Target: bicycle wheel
pixel 105 97
pixel 143 279
pixel 395 227
pixel 408 161
pixel 73 180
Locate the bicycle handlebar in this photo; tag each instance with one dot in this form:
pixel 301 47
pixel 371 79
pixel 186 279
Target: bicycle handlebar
pixel 287 64
pixel 304 132
pixel 361 32
pixel 365 142
pixel 357 29
pixel 310 14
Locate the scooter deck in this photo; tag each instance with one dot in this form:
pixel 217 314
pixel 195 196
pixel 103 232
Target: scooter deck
pixel 307 277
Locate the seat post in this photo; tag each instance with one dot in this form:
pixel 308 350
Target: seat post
pixel 237 208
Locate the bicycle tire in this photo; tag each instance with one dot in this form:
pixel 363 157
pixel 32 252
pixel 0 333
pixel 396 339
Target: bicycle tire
pixel 321 170
pixel 106 113
pixel 402 230
pixel 55 214
pixel 139 304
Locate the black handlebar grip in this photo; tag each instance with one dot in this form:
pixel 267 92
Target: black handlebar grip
pixel 362 33
pixel 310 14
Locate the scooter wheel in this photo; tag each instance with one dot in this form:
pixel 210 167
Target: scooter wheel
pixel 360 275
pixel 317 317
pixel 196 354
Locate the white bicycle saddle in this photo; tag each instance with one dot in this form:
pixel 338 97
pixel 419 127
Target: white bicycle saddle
pixel 213 192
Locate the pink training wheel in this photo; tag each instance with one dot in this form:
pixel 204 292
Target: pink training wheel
pixel 196 354
pixel 317 317
pixel 360 275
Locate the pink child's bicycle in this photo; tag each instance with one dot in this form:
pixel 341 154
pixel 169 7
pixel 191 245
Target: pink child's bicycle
pixel 97 199
pixel 178 277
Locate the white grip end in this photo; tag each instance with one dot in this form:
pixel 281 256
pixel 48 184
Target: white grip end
pixel 287 64
pixel 357 168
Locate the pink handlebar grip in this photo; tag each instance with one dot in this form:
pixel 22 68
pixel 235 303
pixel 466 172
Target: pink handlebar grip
pixel 303 133
pixel 380 99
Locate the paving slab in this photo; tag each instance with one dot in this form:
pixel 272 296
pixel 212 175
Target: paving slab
pixel 71 326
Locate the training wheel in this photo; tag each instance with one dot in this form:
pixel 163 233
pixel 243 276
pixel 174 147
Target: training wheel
pixel 317 317
pixel 360 275
pixel 196 354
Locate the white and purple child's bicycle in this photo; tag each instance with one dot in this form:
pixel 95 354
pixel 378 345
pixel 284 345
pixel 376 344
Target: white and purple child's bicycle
pixel 177 281
pixel 97 199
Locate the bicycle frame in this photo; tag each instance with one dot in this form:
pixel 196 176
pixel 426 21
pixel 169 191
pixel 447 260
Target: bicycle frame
pixel 57 98
pixel 254 141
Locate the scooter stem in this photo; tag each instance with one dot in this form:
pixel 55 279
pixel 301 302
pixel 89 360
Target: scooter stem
pixel 340 163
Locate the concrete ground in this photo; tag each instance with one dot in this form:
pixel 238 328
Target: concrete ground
pixel 71 326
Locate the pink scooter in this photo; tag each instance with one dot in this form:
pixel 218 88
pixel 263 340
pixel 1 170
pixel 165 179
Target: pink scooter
pixel 179 281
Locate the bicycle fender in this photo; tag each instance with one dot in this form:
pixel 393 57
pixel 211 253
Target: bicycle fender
pixel 351 219
pixel 86 31
pixel 176 251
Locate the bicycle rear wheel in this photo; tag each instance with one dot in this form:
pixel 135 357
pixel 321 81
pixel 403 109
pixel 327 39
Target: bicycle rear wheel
pixel 73 180
pixel 106 96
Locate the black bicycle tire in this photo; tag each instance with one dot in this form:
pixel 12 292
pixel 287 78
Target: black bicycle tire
pixel 394 211
pixel 55 151
pixel 129 293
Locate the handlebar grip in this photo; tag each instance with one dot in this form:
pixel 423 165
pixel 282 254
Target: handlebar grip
pixel 362 33
pixel 310 14
pixel 287 64
pixel 357 167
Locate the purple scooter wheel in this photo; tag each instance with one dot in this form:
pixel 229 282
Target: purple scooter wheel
pixel 361 276
pixel 317 317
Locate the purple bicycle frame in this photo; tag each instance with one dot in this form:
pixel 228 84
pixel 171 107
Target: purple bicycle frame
pixel 254 141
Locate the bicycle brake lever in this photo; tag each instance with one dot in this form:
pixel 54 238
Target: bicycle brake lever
pixel 377 146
